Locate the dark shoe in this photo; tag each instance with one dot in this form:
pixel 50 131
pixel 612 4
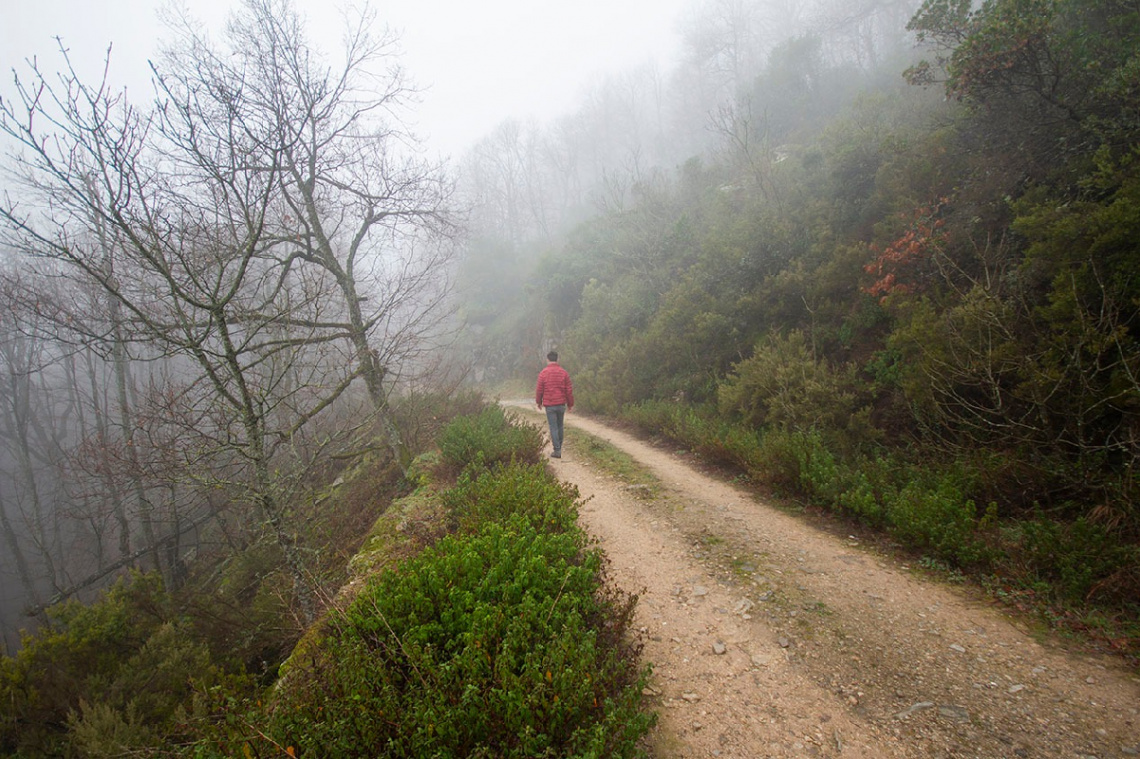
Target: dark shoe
pixel 556 455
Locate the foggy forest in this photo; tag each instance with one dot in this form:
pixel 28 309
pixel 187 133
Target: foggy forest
pixel 879 256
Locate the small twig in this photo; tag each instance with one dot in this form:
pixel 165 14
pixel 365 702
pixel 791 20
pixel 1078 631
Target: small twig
pixel 282 749
pixel 400 643
pixel 565 580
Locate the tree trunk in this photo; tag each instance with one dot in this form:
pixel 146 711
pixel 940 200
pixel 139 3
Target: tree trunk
pixel 116 498
pixel 12 540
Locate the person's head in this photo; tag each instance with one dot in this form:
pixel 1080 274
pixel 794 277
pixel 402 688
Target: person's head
pixel 552 356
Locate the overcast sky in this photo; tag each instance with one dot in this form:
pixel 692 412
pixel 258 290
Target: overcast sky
pixel 481 61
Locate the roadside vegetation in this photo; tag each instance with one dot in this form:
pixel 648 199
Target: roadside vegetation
pixel 474 619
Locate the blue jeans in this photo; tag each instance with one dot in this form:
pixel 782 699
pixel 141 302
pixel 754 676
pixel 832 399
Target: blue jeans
pixel 554 417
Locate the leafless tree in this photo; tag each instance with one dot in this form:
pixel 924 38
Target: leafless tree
pixel 355 198
pixel 269 230
pixel 187 203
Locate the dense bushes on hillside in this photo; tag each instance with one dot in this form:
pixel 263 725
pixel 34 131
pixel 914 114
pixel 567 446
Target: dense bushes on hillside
pixel 922 312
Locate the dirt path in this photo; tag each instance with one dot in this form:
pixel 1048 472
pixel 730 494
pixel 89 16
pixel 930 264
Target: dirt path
pixel 770 638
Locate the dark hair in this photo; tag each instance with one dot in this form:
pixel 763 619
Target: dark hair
pixel 552 356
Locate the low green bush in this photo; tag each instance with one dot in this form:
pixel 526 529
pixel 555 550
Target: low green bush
pixel 499 644
pixel 489 437
pixel 699 429
pixel 105 678
pixel 1079 559
pixel 482 496
pixel 934 515
pixel 861 499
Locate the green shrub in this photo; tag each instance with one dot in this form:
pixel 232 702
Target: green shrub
pixel 783 385
pixel 490 437
pixel 778 461
pixel 699 429
pixel 486 645
pixel 1079 559
pixel 484 496
pixel 819 469
pixel 859 497
pixel 104 678
pixel 933 514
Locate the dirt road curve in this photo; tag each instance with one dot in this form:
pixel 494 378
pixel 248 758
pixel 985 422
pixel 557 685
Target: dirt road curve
pixel 770 638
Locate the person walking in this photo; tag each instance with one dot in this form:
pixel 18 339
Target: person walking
pixel 554 393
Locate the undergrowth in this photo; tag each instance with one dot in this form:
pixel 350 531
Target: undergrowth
pixel 490 632
pixel 1076 574
pixel 503 639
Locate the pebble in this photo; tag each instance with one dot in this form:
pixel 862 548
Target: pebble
pixel 719 648
pixel 951 711
pixel 784 642
pixel 921 706
pixel 1016 688
pixel 700 590
pixel 692 698
pixel 956 647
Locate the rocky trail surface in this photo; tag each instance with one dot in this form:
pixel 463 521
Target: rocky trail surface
pixel 772 638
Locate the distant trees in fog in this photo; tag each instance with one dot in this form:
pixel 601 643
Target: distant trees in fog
pixel 195 287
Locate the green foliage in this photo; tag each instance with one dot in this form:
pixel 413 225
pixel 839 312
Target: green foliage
pixel 489 437
pixel 490 644
pixel 1057 73
pixel 699 429
pixel 101 731
pixel 103 678
pixel 482 496
pixel 933 514
pixel 1078 560
pixel 784 386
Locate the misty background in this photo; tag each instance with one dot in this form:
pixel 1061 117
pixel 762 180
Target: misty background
pixel 519 120
pixel 260 276
pixel 474 64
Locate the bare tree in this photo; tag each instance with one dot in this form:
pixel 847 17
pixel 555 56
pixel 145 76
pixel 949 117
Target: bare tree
pixel 355 198
pixel 185 193
pixel 22 441
pixel 268 229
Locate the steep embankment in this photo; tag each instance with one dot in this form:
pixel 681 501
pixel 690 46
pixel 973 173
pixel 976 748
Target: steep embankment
pixel 770 638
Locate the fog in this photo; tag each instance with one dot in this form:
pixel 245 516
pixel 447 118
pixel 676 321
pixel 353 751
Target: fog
pixel 128 430
pixel 476 63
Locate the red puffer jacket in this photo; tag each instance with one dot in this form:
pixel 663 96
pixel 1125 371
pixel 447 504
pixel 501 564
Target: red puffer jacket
pixel 554 387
